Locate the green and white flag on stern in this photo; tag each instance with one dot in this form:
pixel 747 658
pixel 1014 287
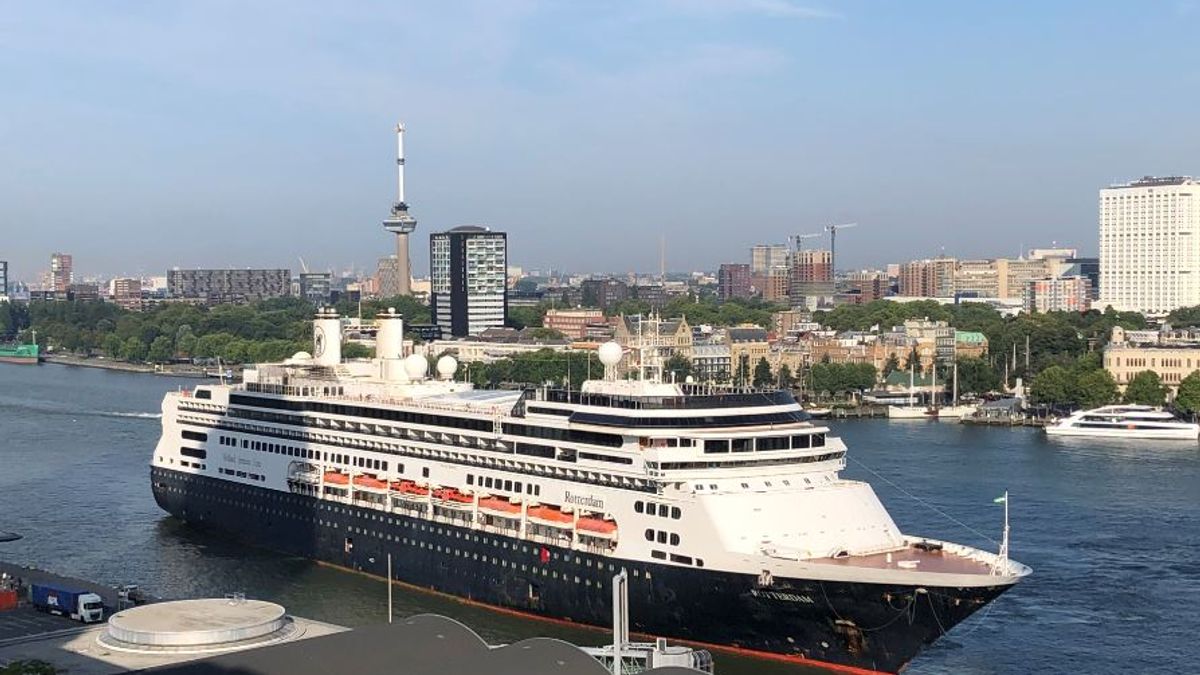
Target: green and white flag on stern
pixel 1000 500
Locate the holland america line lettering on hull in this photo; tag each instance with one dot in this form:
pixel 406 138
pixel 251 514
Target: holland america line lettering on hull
pixel 725 506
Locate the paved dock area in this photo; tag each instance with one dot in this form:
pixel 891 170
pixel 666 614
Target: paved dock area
pixel 77 651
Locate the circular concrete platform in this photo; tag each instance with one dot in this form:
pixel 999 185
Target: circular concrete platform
pixel 197 626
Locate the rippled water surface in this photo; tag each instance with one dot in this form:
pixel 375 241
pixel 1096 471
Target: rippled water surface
pixel 1111 530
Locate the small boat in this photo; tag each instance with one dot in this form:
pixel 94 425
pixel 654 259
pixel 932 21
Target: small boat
pixel 499 506
pixel 597 527
pixel 368 482
pixel 550 515
pixel 819 413
pixel 337 478
pixel 1135 422
pixel 911 412
pixel 453 497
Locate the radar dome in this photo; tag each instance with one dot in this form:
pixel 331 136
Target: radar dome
pixel 415 366
pixel 300 357
pixel 689 380
pixel 446 366
pixel 610 353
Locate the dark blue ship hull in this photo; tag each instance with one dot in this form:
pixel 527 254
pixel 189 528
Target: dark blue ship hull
pixel 848 626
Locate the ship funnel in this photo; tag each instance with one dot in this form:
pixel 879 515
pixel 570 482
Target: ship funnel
pixel 327 338
pixel 389 346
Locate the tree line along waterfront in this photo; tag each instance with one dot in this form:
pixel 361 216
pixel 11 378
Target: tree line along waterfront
pixel 1058 354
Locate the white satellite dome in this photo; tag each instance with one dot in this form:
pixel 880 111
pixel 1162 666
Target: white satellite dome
pixel 300 357
pixel 415 366
pixel 610 353
pixel 446 367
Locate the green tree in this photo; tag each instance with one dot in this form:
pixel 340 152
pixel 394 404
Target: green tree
pixel 1145 389
pixel 1188 398
pixel 762 373
pixel 112 346
pixel 30 667
pixel 353 350
pixel 1052 386
pixel 1097 388
pixel 678 367
pixel 161 350
pixel 892 364
pixel 133 349
pixel 741 370
pixel 975 376
pixel 786 378
pixel 913 362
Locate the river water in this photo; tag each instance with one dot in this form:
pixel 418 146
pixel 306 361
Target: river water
pixel 1111 530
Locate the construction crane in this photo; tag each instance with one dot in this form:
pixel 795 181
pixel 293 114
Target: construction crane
pixel 797 239
pixel 833 230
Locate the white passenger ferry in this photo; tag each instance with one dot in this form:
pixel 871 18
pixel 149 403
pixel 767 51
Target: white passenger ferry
pixel 1126 421
pixel 725 507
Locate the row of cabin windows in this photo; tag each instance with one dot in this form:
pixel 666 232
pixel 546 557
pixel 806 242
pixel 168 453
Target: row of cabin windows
pixel 661 510
pixel 734 464
pixel 195 453
pixel 662 537
pixel 675 557
pixel 242 474
pixel 406 417
pixel 520 448
pixel 505 485
pixel 797 442
pixel 194 465
pixel 576 476
pixel 190 435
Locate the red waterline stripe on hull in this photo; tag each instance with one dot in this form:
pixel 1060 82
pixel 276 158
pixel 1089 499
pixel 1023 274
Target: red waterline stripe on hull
pixel 740 651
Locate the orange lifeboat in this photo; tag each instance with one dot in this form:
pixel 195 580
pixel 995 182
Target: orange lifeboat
pixel 550 515
pixel 500 506
pixel 453 497
pixel 409 488
pixel 597 527
pixel 369 482
pixel 337 478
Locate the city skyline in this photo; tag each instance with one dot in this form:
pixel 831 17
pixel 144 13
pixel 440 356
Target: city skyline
pixel 218 135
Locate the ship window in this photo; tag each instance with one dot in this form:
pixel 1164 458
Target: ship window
pixel 638 507
pixel 425 472
pixel 674 539
pixel 193 452
pixel 699 562
pixel 676 513
pixel 686 560
pixel 517 486
pixel 661 537
pixel 804 441
pixel 470 479
pixel 716 446
pixel 649 535
pixel 743 444
pixel 772 443
pixel 818 440
pixel 194 435
pixel 508 486
pixel 658 555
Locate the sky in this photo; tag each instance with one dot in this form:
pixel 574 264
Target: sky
pixel 141 136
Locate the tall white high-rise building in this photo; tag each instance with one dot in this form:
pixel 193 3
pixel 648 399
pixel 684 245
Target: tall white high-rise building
pixel 1150 245
pixel 468 280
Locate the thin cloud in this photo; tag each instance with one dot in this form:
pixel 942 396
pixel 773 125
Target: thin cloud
pixel 770 8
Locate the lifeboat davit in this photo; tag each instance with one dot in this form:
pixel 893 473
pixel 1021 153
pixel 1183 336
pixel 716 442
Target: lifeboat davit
pixel 369 482
pixel 408 488
pixel 452 497
pixel 597 527
pixel 337 478
pixel 499 506
pixel 550 515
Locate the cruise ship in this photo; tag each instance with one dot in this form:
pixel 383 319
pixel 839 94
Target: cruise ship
pixel 1135 422
pixel 724 507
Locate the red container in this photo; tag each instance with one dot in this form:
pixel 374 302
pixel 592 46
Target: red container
pixel 8 600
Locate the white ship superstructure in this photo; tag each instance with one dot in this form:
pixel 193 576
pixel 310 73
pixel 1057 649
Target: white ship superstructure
pixel 716 501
